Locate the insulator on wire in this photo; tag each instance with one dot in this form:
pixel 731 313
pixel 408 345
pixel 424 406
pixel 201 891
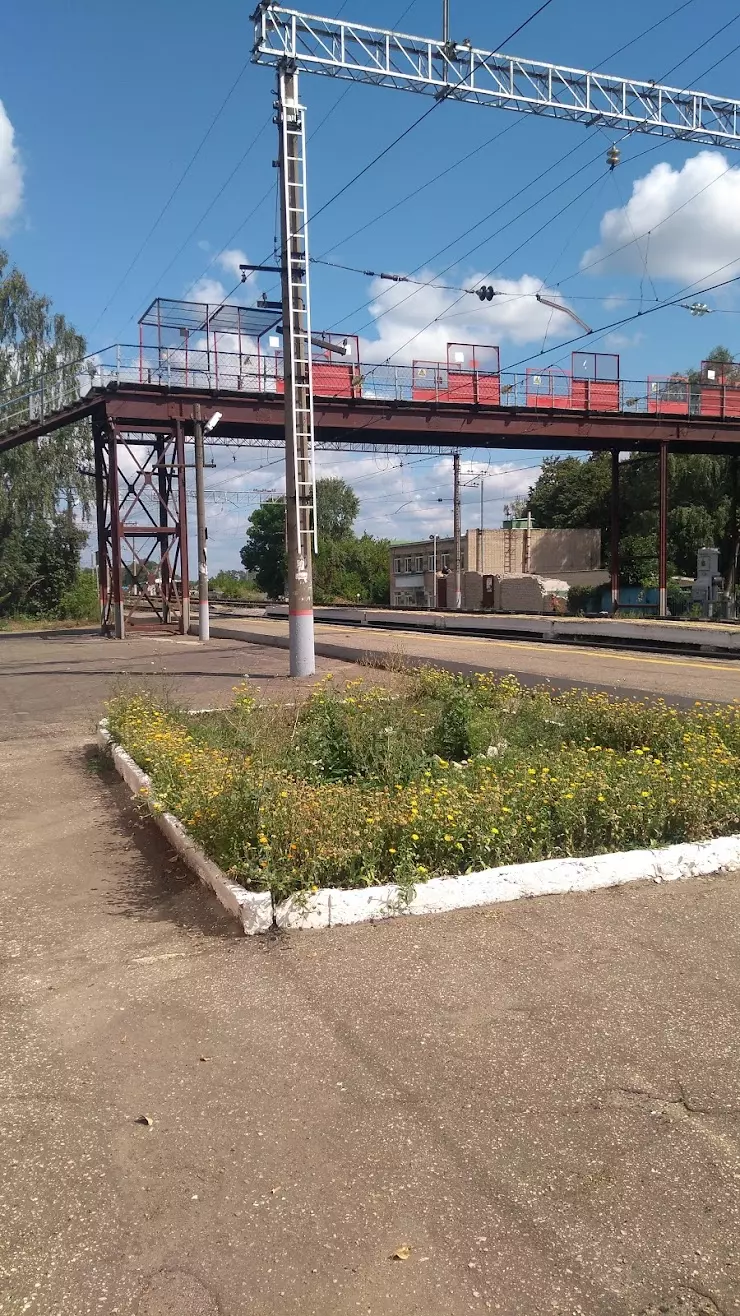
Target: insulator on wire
pixel 486 293
pixel 612 156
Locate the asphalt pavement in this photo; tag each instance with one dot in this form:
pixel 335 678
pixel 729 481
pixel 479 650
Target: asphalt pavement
pixel 535 1107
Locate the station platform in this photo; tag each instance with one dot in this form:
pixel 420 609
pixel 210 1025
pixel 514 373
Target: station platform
pixel 711 638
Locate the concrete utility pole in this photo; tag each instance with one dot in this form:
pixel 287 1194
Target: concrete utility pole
pixel 300 504
pixel 204 626
pixel 456 531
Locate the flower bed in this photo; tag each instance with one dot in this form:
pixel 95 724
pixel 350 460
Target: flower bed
pixel 446 775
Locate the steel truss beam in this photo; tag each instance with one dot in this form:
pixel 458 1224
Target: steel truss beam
pixel 342 49
pixel 418 425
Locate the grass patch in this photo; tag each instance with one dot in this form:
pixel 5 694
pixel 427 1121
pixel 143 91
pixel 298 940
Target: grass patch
pixel 19 623
pixel 445 774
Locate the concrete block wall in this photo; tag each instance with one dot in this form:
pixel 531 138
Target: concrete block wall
pixel 536 552
pixel 472 591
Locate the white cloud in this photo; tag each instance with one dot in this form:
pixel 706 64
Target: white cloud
pixel 208 288
pixel 11 174
pixel 417 323
pixel 231 259
pixel 686 222
pixel 619 341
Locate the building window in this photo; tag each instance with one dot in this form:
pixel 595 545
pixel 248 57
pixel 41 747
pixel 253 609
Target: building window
pixel 407 565
pixel 419 563
pixel 430 562
pixel 444 560
pixel 397 567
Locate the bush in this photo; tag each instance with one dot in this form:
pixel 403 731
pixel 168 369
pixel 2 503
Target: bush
pixel 451 774
pixel 583 599
pixel 80 602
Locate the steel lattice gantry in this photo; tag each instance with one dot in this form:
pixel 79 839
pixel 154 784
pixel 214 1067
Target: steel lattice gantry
pixel 448 69
pixel 142 524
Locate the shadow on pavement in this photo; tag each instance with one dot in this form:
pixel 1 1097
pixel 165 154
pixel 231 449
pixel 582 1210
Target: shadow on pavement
pixel 159 888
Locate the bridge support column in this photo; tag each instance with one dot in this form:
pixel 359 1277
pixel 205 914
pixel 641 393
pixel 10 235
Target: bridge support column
pixel 663 531
pixel 141 509
pixel 614 544
pixel 114 537
pixel 101 481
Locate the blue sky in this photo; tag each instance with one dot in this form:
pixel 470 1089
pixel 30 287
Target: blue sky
pixel 109 107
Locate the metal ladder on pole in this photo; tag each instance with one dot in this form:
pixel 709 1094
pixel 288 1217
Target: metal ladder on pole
pixel 297 330
pixel 300 487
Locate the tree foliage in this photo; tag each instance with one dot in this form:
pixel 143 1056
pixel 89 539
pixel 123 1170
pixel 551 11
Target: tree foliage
pixel 234 585
pixel 346 567
pixel 43 488
pixel 264 551
pixel 337 508
pixel 352 570
pixel 575 493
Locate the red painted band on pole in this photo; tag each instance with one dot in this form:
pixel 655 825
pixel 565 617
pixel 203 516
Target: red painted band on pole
pixel 300 612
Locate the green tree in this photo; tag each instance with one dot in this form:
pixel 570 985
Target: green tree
pixel 264 551
pixel 571 492
pixel 346 567
pixel 337 507
pixel 352 570
pixel 43 488
pixel 234 585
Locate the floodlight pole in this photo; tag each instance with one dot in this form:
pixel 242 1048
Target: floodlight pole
pixel 204 621
pixel 300 497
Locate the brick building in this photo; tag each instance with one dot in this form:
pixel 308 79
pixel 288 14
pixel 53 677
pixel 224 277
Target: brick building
pixel 572 556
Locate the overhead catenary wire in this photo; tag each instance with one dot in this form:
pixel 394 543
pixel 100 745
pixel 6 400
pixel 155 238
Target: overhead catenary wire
pixel 443 95
pixel 490 273
pixel 581 268
pixel 658 224
pixel 173 260
pixel 333 108
pixel 712 37
pixel 227 245
pixel 436 178
pixel 630 319
pixel 488 142
pixel 495 233
pixel 243 223
pixel 163 210
pixel 645 32
pixel 516 123
pixel 480 222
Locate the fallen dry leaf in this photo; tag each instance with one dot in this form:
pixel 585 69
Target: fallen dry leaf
pixel 144 1119
pixel 401 1253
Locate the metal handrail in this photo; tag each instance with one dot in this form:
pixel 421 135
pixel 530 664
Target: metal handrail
pixel 261 374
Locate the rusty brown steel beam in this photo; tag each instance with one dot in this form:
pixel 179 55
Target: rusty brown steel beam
pixel 37 429
pixel 409 422
pixel 138 406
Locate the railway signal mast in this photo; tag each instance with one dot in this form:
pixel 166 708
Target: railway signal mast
pixel 295 42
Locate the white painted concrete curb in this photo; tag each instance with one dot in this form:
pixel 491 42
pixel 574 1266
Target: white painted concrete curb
pixel 253 909
pixel 333 906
